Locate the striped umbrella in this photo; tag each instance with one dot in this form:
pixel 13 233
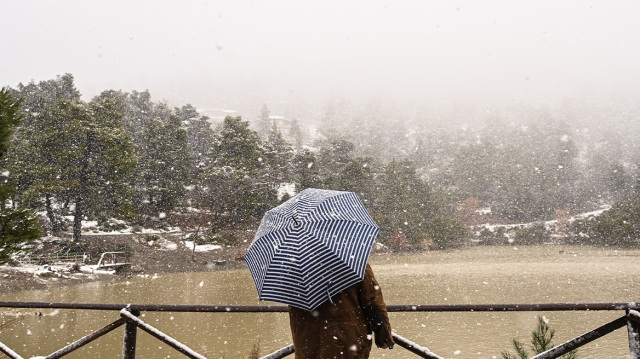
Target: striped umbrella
pixel 311 247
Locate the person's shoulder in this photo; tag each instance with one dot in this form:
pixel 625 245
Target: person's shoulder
pixel 368 273
pixel 368 269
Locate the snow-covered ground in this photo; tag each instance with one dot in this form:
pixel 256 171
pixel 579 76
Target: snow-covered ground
pixel 91 228
pixel 548 224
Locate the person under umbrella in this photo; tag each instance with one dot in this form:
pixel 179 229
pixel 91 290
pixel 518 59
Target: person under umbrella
pixel 311 253
pixel 343 327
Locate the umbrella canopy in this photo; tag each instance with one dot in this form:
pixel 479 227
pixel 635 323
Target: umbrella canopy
pixel 311 247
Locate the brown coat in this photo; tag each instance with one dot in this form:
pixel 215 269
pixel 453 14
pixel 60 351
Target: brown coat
pixel 342 330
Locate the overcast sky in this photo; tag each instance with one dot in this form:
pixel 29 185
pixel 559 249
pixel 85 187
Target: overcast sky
pixel 233 53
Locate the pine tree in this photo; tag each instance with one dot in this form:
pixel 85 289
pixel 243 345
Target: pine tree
pixel 335 153
pixel 237 146
pixel 277 159
pixel 236 175
pixel 199 137
pixel 305 170
pixel 17 225
pixel 357 176
pixel 406 204
pixel 81 155
pixel 41 96
pixel 37 98
pixel 140 111
pixel 295 133
pixel 116 154
pixel 619 226
pixel 403 202
pixel 163 169
pixel 264 122
pixel 541 341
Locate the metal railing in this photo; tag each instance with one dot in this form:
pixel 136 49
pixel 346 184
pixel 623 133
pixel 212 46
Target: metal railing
pixel 110 260
pixel 57 258
pixel 129 318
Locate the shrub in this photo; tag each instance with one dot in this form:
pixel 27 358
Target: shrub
pixel 493 238
pixel 534 234
pixel 224 238
pixel 399 242
pixel 619 226
pixel 125 248
pixel 541 341
pixel 446 232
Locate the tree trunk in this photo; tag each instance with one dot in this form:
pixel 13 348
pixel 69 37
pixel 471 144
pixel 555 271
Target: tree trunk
pixel 77 220
pixel 49 209
pixel 195 239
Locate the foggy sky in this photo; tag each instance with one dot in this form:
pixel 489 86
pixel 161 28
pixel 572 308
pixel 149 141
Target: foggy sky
pixel 240 54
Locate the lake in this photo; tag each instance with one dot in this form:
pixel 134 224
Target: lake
pixel 477 275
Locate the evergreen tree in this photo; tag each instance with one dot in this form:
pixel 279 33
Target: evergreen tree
pixel 619 226
pixel 237 146
pixel 477 175
pixel 357 176
pixel 541 341
pixel 277 160
pixel 236 175
pixel 39 97
pixel 114 157
pixel 334 155
pixel 163 169
pixel 140 112
pixel 17 225
pixel 264 122
pixel 295 133
pixel 618 181
pixel 305 170
pixel 407 205
pixel 199 137
pixel 82 155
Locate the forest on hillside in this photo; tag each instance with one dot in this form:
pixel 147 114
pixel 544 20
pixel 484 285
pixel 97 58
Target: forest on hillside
pixel 428 183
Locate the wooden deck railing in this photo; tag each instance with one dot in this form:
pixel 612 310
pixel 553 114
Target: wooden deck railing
pixel 129 318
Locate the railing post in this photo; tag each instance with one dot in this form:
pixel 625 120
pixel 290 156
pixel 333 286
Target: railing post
pixel 420 351
pixel 280 353
pixel 130 334
pixel 9 352
pixel 633 327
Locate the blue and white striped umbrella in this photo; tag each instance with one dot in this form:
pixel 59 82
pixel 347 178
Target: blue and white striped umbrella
pixel 311 247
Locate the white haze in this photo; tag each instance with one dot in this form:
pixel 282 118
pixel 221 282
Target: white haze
pixel 298 56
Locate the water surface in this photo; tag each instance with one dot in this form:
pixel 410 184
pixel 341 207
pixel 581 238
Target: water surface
pixel 481 275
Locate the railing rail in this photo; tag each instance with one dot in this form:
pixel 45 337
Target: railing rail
pixel 129 317
pixel 416 349
pixel 544 307
pixel 57 258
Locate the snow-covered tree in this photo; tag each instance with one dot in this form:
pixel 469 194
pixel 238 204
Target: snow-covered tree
pixel 17 225
pixel 407 204
pixel 199 137
pixel 81 155
pixel 277 161
pixel 305 170
pixel 236 175
pixel 163 165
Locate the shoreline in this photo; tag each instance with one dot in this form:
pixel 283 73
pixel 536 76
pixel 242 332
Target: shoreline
pixel 166 253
